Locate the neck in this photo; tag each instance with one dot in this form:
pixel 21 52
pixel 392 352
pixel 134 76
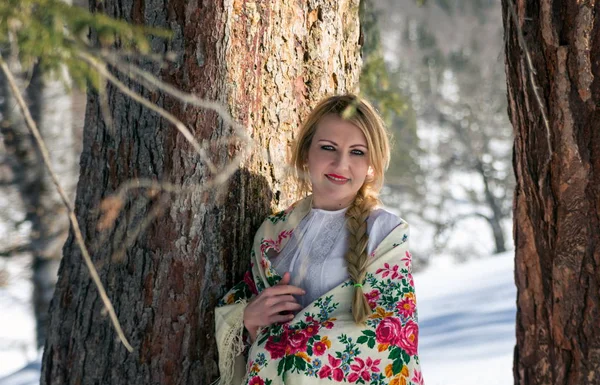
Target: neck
pixel 327 204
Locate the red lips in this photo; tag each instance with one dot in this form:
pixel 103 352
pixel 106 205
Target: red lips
pixel 336 176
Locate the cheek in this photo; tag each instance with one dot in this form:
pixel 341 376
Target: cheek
pixel 361 167
pixel 318 160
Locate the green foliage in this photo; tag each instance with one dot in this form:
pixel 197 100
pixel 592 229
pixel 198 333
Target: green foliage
pixel 381 86
pixel 375 78
pixel 51 33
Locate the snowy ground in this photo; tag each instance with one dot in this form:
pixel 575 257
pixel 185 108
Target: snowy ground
pixel 466 316
pixel 467 321
pixel 17 325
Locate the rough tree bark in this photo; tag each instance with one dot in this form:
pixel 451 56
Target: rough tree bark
pixel 556 208
pixel 267 62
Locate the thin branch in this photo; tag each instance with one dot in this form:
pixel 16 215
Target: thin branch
pixel 148 218
pixel 24 248
pixel 152 82
pixel 101 68
pixel 77 231
pixel 130 54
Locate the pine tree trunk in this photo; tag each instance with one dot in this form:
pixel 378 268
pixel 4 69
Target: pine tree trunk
pixel 267 62
pixel 556 208
pixel 50 106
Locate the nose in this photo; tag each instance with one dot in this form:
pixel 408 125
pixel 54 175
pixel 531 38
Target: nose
pixel 342 161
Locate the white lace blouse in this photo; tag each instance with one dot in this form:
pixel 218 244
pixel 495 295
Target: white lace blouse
pixel 314 255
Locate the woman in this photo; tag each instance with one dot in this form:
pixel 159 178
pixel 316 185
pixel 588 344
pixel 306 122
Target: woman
pixel 330 297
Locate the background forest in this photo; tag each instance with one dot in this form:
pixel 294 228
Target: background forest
pixel 435 70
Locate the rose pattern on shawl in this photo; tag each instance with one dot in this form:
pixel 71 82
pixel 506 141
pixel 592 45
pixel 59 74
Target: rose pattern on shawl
pixel 392 330
pixel 319 348
pixel 276 348
pixel 388 331
pixel 256 380
pixel 301 345
pixel 297 343
pixel 408 338
pixel 292 342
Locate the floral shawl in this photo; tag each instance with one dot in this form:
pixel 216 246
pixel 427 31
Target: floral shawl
pixel 323 344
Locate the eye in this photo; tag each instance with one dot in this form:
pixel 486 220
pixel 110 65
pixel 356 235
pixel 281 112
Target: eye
pixel 328 148
pixel 358 152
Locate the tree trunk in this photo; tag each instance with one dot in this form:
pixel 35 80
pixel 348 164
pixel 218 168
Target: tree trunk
pixel 556 208
pixel 267 62
pixel 50 106
pixel 494 220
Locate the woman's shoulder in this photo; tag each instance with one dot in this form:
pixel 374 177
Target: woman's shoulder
pixel 382 215
pixel 382 221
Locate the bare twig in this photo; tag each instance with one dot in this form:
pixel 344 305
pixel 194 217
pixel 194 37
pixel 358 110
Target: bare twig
pixel 78 236
pixel 102 70
pixel 154 213
pixel 152 82
pixel 23 248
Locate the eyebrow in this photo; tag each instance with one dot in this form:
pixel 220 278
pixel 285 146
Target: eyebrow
pixel 335 144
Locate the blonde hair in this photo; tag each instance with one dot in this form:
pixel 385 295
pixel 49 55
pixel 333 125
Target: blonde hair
pixel 363 115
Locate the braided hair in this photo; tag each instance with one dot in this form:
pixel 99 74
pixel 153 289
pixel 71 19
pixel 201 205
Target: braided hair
pixel 363 115
pixel 356 256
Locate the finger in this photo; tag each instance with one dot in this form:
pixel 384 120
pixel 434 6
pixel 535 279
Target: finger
pixel 273 300
pixel 281 318
pixel 276 300
pixel 285 279
pixel 285 289
pixel 287 298
pixel 285 306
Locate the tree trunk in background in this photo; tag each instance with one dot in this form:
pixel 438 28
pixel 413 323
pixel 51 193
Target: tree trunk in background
pixel 51 109
pixel 556 210
pixel 50 105
pixel 267 62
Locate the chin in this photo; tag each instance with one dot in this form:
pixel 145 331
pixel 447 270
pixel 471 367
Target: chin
pixel 340 197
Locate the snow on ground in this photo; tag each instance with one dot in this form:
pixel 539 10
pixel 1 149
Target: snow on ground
pixel 466 318
pixel 467 321
pixel 17 324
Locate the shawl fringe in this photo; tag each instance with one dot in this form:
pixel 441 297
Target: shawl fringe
pixel 230 342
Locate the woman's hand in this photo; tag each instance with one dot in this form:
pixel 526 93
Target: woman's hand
pixel 268 307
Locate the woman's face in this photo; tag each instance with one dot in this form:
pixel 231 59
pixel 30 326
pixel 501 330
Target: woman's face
pixel 338 162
